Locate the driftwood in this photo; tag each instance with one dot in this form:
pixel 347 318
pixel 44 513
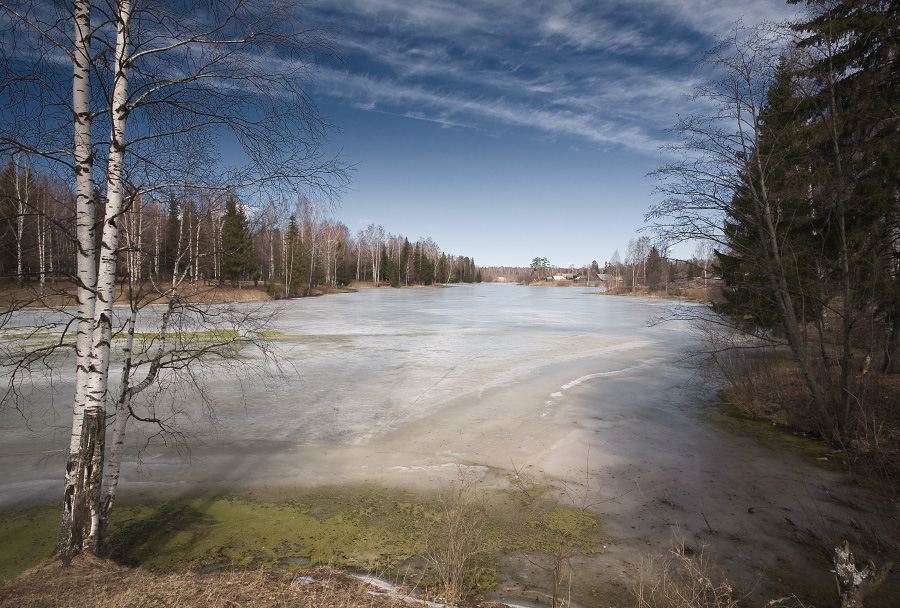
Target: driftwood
pixel 854 584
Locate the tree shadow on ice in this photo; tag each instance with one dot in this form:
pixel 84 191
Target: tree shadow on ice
pixel 147 532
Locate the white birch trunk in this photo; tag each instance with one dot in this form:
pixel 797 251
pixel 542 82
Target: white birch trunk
pixel 157 222
pixel 271 273
pixel 43 210
pixel 98 373
pixel 123 409
pixel 140 242
pixel 72 530
pixel 21 197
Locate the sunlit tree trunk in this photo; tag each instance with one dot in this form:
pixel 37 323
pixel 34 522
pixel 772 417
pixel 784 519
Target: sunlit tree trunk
pixel 75 526
pixel 98 370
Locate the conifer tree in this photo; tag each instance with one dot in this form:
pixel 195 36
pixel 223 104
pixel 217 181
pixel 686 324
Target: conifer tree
pixel 404 269
pixel 236 243
pixel 854 48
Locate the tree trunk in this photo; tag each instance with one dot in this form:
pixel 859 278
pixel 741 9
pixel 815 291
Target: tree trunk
pixel 88 475
pixel 892 340
pixel 75 526
pixel 80 529
pixel 42 229
pixel 123 410
pixel 778 282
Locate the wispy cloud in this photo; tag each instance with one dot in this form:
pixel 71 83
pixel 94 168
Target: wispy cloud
pixel 373 93
pixel 603 72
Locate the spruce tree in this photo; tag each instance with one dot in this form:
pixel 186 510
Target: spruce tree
pixel 417 270
pixel 442 269
pixel 236 243
pixel 404 270
pixel 856 112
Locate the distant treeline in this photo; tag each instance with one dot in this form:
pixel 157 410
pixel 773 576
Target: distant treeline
pixel 211 237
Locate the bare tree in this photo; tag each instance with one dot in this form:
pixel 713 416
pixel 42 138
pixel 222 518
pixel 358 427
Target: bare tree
pixel 721 157
pixel 615 261
pixel 704 252
pixel 374 239
pixel 163 80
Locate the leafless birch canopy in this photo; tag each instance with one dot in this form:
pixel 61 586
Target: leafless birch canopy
pixel 129 99
pixel 202 77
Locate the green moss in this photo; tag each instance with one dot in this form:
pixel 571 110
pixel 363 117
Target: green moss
pixel 813 449
pixel 28 538
pixel 369 533
pixel 358 527
pixel 209 335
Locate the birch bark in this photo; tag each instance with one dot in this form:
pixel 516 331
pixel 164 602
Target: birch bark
pixel 72 533
pixel 101 338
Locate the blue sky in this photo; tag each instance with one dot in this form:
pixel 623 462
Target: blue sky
pixel 508 130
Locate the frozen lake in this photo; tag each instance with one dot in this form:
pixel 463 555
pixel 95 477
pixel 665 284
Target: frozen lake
pixel 402 386
pixel 486 371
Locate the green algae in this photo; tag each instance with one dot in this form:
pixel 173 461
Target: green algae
pixel 232 531
pixel 207 335
pixel 27 537
pixel 813 449
pixel 361 528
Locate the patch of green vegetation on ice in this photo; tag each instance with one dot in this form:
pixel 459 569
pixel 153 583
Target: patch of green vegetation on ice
pixel 28 537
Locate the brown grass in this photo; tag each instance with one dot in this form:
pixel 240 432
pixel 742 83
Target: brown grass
pixel 772 388
pixel 62 293
pixel 89 582
pixel 674 292
pixel 684 578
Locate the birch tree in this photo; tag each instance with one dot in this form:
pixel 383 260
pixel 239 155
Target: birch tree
pixel 729 165
pixel 162 81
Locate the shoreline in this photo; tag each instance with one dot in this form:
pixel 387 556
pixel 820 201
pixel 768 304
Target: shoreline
pixel 12 297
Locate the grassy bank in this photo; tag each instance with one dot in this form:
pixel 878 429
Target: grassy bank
pixel 389 532
pixel 686 294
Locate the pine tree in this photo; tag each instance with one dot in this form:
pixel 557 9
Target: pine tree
pixel 404 269
pixel 295 262
pixel 236 243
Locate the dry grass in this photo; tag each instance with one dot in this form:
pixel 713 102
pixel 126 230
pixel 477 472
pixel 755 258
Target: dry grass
pixel 684 578
pixel 456 538
pixel 772 388
pixel 674 292
pixel 62 293
pixel 90 582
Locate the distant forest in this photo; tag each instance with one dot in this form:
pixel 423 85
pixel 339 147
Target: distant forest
pixel 212 238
